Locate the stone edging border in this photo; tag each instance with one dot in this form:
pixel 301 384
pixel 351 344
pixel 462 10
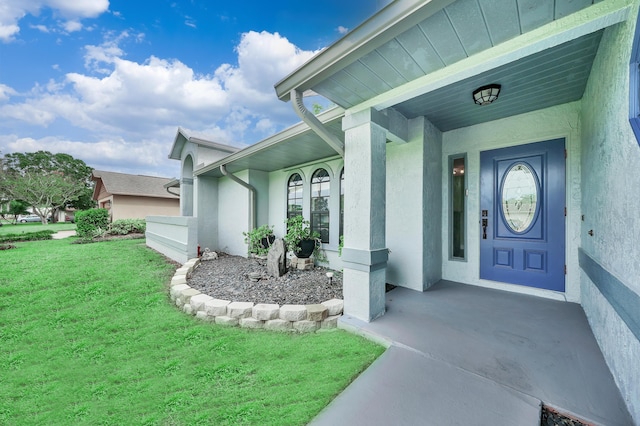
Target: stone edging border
pixel 300 318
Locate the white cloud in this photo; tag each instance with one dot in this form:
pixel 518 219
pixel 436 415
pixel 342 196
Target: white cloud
pixel 71 12
pixel 139 157
pixel 6 92
pixel 133 109
pixel 41 28
pixel 342 30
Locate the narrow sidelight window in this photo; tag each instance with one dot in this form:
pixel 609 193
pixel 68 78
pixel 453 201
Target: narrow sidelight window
pixel 458 207
pixel 320 187
pixel 342 203
pixel 294 196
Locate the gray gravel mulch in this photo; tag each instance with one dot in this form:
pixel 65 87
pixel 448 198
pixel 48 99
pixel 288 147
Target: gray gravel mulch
pixel 227 278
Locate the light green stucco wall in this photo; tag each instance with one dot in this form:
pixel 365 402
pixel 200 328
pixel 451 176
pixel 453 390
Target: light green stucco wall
pixel 611 203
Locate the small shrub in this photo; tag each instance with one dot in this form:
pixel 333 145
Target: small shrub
pixel 88 221
pixel 254 239
pixel 27 236
pixel 127 226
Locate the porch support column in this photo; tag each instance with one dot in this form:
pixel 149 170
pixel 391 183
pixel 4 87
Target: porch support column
pixel 186 196
pixel 364 253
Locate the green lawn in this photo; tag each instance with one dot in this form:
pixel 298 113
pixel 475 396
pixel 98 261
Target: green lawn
pixel 89 336
pixel 9 228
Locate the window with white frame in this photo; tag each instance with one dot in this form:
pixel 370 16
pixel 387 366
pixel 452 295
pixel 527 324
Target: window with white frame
pixel 320 191
pixel 294 196
pixel 342 203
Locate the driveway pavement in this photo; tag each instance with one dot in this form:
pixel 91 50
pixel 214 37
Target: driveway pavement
pixel 465 355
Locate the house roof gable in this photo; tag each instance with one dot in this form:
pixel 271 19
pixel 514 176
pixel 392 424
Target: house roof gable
pixel 132 185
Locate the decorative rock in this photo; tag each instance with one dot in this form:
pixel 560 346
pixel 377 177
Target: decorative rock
pixel 208 255
pixel 178 279
pixel 265 312
pixel 193 262
pixel 176 289
pixel 183 271
pixel 179 302
pixel 255 276
pixel 251 323
pixel 277 259
pixel 224 320
pixel 317 312
pixel 216 307
pixel 330 322
pixel 293 312
pixel 197 302
pixel 239 309
pixel 277 325
pixel 187 294
pixel 335 306
pixel 306 326
pixel 187 309
pixel 201 315
pixel 304 264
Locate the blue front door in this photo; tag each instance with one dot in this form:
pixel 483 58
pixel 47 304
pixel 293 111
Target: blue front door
pixel 522 215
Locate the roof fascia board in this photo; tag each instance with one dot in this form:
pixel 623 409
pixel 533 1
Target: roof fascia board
pixel 393 20
pixel 295 130
pixel 571 27
pixel 178 144
pixel 213 145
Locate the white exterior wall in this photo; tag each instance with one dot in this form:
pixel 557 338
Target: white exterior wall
pixel 206 209
pixel 175 237
pixel 556 122
pixel 233 215
pixel 414 207
pixel 611 202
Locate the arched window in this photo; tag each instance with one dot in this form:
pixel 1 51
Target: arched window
pixel 320 187
pixel 294 196
pixel 342 203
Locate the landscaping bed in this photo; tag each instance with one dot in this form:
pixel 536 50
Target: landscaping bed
pixel 228 278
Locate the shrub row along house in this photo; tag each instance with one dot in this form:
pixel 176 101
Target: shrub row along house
pixel 474 141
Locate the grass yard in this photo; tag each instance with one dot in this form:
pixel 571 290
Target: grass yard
pixel 9 228
pixel 89 336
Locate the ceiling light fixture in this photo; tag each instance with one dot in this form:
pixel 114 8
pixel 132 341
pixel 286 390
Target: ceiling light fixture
pixel 486 94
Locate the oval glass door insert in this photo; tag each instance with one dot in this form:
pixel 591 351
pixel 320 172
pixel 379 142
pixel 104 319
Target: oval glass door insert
pixel 519 197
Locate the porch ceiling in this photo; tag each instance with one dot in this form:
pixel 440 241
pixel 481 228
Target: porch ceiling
pixel 291 147
pixel 552 77
pixel 426 58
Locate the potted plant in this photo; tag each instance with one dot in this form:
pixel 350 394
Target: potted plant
pixel 259 240
pixel 300 239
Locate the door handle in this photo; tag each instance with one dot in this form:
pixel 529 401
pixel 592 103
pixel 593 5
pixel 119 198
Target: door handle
pixel 485 223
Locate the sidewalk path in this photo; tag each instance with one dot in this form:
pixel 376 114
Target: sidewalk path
pixel 63 234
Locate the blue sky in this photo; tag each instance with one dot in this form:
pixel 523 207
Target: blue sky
pixel 110 81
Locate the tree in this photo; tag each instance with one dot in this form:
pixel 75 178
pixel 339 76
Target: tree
pixel 16 208
pixel 46 181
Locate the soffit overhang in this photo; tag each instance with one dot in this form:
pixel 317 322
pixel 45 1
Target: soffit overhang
pixel 292 147
pixel 540 52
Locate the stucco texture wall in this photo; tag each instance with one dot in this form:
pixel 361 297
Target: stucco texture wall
pixel 611 202
pixel 233 215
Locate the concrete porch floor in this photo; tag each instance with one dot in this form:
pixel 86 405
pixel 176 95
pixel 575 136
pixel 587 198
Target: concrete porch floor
pixel 466 355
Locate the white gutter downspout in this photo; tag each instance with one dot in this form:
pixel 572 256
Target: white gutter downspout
pixel 252 198
pixel 315 124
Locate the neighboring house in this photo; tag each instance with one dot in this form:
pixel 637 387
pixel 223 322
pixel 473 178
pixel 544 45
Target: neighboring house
pixel 134 196
pixel 534 193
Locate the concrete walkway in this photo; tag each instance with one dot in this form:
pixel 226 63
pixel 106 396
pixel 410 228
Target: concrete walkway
pixel 465 355
pixel 63 234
